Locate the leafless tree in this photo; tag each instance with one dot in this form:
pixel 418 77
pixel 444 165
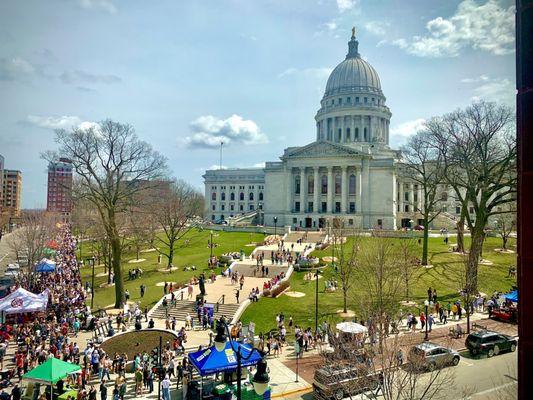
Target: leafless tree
pixel 350 367
pixel 478 148
pixel 346 253
pixel 506 224
pixel 422 164
pixel 173 211
pixel 36 229
pixel 83 218
pixel 407 262
pixel 380 273
pixel 113 165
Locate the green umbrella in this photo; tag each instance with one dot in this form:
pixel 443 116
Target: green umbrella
pixel 51 371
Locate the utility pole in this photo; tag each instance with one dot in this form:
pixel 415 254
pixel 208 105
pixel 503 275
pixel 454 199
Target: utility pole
pixel 220 164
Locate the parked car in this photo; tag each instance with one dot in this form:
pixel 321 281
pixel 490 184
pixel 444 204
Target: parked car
pixel 430 356
pixel 505 314
pixel 490 343
pixel 340 381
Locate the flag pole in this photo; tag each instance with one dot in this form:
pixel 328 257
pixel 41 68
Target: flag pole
pixel 220 164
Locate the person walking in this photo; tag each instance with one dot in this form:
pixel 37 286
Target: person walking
pixel 431 320
pixel 165 385
pixel 237 291
pixel 143 289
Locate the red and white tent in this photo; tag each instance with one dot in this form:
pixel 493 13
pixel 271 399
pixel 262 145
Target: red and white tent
pixel 22 301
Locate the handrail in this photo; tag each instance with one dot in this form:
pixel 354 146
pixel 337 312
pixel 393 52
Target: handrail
pixel 220 301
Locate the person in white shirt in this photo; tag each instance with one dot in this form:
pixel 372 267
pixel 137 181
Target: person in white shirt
pixel 165 385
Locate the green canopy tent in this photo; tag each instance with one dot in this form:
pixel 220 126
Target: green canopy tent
pixel 51 371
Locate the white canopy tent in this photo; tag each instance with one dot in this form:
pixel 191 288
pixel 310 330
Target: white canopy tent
pixel 351 327
pixel 22 301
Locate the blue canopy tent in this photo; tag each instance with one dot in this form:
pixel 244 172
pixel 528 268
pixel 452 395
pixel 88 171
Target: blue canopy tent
pixel 45 266
pixel 513 296
pixel 210 361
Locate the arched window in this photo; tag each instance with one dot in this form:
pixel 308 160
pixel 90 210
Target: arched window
pixel 311 184
pixel 351 184
pixel 348 135
pixel 223 196
pixel 329 135
pixel 241 196
pixel 356 136
pixel 260 196
pixel 339 135
pixel 251 196
pixel 214 196
pixel 324 184
pixel 337 184
pixel 232 196
pixel 297 184
pixel 364 134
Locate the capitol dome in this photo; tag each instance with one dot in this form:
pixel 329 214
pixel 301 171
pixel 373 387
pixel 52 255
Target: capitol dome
pixel 353 74
pixel 353 109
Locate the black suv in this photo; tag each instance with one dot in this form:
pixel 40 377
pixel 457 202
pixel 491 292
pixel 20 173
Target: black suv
pixel 490 343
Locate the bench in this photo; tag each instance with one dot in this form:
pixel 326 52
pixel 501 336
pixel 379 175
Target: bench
pixel 456 334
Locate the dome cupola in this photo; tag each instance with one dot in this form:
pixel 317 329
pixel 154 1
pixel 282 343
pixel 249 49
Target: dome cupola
pixel 353 107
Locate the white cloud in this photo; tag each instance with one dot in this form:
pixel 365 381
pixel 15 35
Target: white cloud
pixel 346 5
pixel 331 25
pixel 61 122
pixel 408 128
pixel 259 165
pixel 377 28
pixel 487 27
pixel 105 5
pixel 209 131
pixel 12 69
pixel 320 73
pixel 78 76
pixel 501 90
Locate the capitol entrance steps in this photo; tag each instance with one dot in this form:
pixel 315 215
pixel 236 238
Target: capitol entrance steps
pixel 184 307
pixel 312 237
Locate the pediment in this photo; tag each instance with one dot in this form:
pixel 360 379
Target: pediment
pixel 320 149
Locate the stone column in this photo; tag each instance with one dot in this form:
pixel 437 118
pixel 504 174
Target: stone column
pixel 344 189
pixel 343 130
pixel 365 204
pixel 316 195
pixel 331 189
pixel 290 191
pixel 371 127
pixel 352 128
pixel 303 190
pixel 358 190
pixel 400 202
pixel 361 128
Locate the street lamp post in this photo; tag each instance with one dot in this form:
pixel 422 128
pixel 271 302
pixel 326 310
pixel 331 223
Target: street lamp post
pixel 261 378
pixel 316 301
pixel 211 245
pixel 427 304
pixel 275 226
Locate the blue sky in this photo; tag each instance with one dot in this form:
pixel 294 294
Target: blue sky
pixel 189 73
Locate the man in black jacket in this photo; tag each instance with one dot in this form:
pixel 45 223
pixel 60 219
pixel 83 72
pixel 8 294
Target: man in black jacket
pixel 103 390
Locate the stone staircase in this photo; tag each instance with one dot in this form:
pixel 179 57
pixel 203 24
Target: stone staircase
pixel 186 306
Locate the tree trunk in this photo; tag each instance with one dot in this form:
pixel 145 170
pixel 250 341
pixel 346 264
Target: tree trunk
pixel 473 260
pixel 460 233
pixel 504 242
pixel 116 250
pixel 345 300
pixel 425 241
pixel 170 256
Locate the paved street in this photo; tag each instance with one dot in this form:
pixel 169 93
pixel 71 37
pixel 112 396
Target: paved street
pixel 475 379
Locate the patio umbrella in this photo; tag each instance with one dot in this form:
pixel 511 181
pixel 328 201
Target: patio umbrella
pixel 351 327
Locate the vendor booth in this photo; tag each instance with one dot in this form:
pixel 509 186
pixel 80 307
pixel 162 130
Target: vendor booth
pixel 52 371
pixel 210 361
pixel 45 266
pixel 21 301
pixel 507 311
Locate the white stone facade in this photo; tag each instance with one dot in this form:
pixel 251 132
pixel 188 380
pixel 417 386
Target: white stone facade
pixel 349 172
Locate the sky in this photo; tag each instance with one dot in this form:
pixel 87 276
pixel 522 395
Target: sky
pixel 190 74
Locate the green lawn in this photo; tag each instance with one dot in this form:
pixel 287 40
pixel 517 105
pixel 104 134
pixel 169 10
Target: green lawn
pixel 443 277
pixel 196 253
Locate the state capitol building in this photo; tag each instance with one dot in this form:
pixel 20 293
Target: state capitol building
pixel 348 172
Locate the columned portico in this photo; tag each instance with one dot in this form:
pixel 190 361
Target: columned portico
pixel 331 188
pixel 303 190
pixel 316 192
pixel 344 189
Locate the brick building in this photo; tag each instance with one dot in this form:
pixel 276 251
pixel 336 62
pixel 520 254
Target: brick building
pixel 59 197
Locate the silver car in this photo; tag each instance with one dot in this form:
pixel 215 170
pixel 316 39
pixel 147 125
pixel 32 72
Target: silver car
pixel 430 356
